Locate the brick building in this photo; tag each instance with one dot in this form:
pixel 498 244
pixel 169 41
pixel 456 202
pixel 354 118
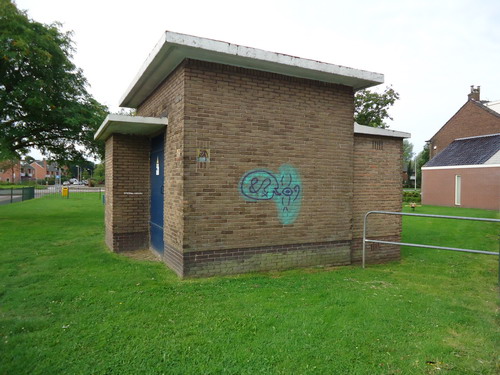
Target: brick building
pixel 16 171
pixel 243 160
pixel 10 171
pixel 43 170
pixel 464 166
pixel 465 174
pixel 474 118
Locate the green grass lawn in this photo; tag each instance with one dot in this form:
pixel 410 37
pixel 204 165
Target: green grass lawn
pixel 68 306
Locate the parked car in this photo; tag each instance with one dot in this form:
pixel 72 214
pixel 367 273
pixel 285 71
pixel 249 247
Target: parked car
pixel 66 183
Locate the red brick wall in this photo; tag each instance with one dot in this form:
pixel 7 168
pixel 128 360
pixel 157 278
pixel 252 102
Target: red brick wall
pixel 377 186
pixel 40 171
pixel 480 187
pixel 6 172
pixel 471 120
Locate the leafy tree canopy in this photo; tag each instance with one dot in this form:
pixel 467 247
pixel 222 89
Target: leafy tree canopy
pixel 372 108
pixel 44 102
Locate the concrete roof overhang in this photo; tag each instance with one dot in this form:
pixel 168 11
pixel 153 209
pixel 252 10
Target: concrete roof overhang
pixel 132 125
pixel 173 48
pixel 363 129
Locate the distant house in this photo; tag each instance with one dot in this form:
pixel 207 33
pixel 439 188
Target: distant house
pixel 21 171
pixel 43 170
pixel 16 171
pixel 476 117
pixel 27 171
pixel 10 172
pixel 465 174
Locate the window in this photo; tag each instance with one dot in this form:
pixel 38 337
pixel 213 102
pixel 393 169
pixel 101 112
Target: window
pixel 378 145
pixel 458 190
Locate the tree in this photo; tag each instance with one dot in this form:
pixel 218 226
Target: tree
pixel 407 151
pixel 372 108
pixel 422 158
pixel 44 102
pixel 99 174
pixel 29 159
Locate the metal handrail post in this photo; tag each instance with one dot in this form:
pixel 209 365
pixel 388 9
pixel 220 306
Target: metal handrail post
pixel 364 239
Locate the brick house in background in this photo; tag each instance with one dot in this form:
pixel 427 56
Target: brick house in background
pixel 10 172
pixel 37 170
pixel 17 172
pixel 464 169
pixel 45 170
pixel 474 118
pixel 27 172
pixel 244 160
pixel 465 174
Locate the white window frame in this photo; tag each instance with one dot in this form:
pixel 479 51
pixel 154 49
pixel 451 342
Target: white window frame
pixel 458 190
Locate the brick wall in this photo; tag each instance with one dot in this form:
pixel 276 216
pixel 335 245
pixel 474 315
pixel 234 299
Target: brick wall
pixel 127 192
pixel 471 120
pixel 40 171
pixel 251 120
pixel 6 173
pixel 480 187
pixel 255 120
pixel 377 186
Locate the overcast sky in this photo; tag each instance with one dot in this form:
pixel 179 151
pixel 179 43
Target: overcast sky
pixel 429 51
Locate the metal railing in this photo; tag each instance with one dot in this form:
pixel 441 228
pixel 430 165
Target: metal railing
pixel 56 190
pixel 365 240
pixel 18 194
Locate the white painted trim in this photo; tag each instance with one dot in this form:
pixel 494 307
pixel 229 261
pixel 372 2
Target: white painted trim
pixel 463 166
pixel 363 129
pixel 478 136
pixel 124 124
pixel 173 48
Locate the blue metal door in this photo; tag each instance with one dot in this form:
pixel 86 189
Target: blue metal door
pixel 157 190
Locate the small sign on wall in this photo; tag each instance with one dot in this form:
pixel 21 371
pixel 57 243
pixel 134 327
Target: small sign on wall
pixel 202 155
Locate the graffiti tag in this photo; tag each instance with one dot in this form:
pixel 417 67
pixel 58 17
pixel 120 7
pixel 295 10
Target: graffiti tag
pixel 284 188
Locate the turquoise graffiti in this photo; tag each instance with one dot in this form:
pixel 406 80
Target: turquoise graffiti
pixel 284 188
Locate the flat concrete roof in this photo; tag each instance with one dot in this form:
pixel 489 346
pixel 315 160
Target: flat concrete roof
pixel 173 48
pixel 132 125
pixel 369 130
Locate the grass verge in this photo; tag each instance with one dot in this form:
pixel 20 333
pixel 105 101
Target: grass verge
pixel 68 306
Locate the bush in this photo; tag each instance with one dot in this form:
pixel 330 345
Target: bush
pixel 411 196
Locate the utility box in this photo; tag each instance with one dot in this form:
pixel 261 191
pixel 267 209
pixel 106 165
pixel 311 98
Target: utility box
pixel 243 160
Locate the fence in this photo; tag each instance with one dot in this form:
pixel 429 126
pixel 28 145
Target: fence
pixel 56 190
pixel 365 240
pixel 19 194
pixel 13 195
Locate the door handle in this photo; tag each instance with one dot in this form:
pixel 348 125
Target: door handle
pixel 162 189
